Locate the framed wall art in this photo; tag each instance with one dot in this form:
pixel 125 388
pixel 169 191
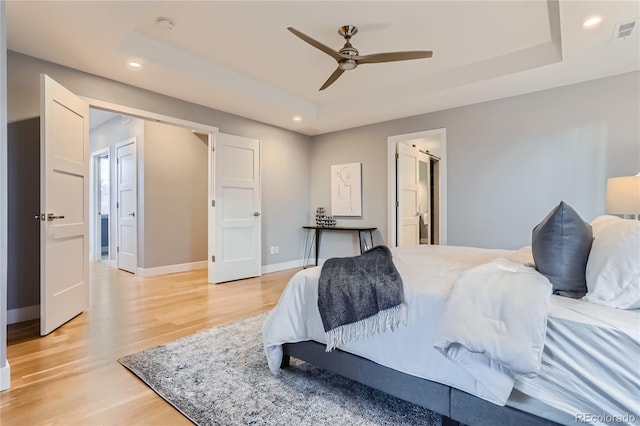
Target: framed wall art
pixel 346 189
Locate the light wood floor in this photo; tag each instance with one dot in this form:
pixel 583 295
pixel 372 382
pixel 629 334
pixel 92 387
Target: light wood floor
pixel 72 375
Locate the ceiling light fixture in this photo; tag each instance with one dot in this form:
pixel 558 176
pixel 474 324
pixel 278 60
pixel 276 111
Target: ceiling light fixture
pixel 296 118
pixel 135 64
pixel 591 22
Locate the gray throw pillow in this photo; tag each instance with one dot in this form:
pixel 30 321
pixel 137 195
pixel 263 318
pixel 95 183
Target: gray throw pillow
pixel 560 246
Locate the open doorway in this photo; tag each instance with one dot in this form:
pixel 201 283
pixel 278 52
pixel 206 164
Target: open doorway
pixel 100 194
pixel 155 198
pixel 416 178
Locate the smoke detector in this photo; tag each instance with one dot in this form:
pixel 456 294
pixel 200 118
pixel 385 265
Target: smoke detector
pixel 164 23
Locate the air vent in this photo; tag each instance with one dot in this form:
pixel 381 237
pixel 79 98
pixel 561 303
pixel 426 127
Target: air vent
pixel 624 30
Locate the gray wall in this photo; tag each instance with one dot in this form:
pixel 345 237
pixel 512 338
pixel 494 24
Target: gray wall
pixel 175 196
pixel 509 161
pixel 285 154
pixel 23 254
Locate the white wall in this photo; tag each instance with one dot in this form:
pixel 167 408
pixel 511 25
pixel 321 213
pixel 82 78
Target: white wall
pixel 509 161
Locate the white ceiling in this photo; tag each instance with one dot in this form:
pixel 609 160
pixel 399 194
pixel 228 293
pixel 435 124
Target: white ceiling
pixel 238 56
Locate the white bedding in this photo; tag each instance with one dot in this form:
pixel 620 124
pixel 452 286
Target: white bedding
pixel 591 363
pixel 428 273
pixel 497 310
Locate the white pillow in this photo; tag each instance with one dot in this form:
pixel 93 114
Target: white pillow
pixel 602 221
pixel 613 268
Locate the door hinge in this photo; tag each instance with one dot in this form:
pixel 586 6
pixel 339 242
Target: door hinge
pixel 213 258
pixel 397 155
pixel 118 249
pixel 117 205
pixel 397 204
pixel 213 203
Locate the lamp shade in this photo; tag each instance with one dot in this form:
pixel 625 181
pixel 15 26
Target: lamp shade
pixel 623 195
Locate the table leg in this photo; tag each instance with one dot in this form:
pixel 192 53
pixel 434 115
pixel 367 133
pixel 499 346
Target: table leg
pixel 317 244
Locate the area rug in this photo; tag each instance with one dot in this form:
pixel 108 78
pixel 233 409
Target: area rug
pixel 221 377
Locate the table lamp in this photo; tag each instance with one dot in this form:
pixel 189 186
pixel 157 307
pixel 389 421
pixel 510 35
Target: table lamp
pixel 623 195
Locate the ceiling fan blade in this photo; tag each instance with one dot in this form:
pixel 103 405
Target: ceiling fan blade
pixel 337 73
pixel 393 56
pixel 315 43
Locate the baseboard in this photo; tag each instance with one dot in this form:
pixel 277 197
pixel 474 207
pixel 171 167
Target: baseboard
pixel 5 376
pixel 27 313
pixel 171 269
pixel 275 267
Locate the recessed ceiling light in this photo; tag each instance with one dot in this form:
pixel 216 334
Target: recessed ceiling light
pixel 135 64
pixel 296 118
pixel 591 22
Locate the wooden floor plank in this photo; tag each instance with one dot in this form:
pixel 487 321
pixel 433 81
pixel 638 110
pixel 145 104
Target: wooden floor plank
pixel 72 375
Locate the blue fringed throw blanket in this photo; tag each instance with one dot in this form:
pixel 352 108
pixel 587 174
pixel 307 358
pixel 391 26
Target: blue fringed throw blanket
pixel 360 296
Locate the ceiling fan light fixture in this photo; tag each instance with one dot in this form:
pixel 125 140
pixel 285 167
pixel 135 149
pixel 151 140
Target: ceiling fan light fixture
pixel 347 64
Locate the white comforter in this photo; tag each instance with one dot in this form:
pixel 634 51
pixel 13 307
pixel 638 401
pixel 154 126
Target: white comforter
pixel 496 311
pixel 428 281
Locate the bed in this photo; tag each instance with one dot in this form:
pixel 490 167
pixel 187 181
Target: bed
pixel 589 368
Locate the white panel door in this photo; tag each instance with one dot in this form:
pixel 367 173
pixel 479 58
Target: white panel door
pixel 64 200
pixel 237 208
pixel 126 206
pixel 407 192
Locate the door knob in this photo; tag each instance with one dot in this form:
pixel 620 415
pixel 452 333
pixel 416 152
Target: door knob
pixel 51 217
pixel 256 214
pixel 132 214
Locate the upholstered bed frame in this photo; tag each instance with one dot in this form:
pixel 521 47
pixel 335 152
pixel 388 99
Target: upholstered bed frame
pixel 456 407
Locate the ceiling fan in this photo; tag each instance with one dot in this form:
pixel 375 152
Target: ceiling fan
pixel 349 58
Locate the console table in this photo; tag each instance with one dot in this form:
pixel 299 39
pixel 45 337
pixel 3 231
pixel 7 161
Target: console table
pixel 361 237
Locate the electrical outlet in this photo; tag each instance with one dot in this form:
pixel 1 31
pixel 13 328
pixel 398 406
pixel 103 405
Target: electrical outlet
pixel 272 249
pixel 277 249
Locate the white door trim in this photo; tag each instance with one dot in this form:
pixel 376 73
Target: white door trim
pixel 147 115
pixel 94 207
pixel 392 142
pixel 5 369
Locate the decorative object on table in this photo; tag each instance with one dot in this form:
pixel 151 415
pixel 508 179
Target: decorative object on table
pixel 321 215
pixel 346 189
pixel 323 220
pixel 198 373
pixel 623 196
